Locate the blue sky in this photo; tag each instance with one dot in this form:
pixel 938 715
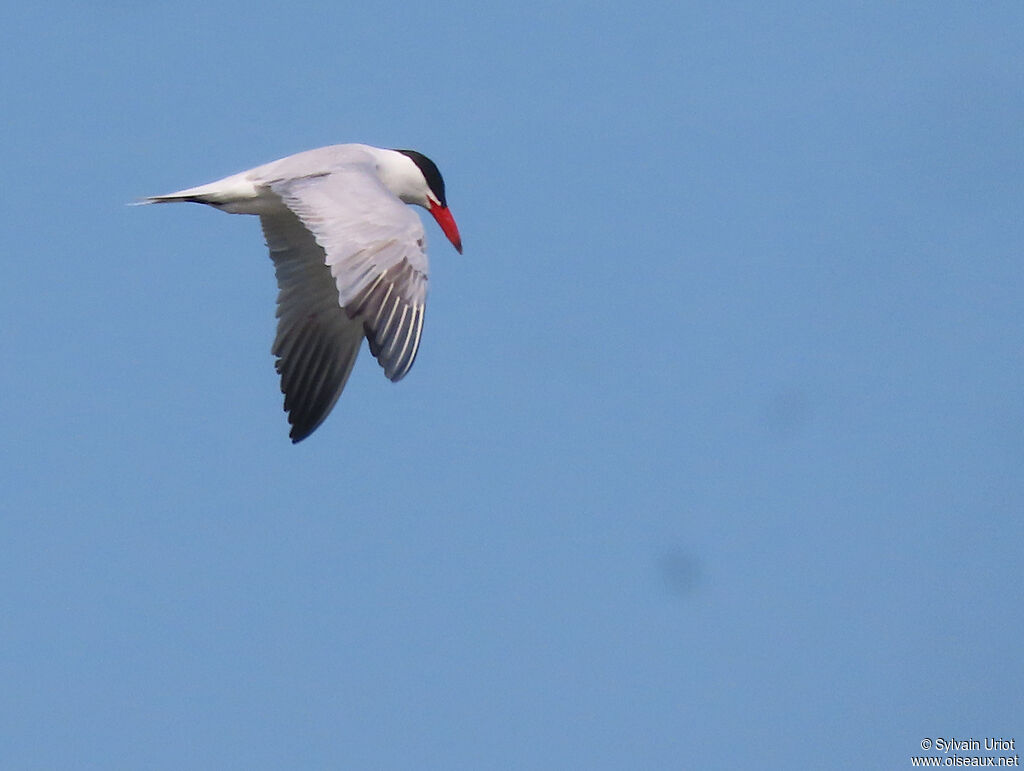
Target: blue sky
pixel 711 456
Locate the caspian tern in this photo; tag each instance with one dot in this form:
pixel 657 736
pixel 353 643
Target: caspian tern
pixel 350 260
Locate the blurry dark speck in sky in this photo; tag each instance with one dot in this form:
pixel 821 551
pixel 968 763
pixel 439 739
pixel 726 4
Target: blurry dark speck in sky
pixel 787 412
pixel 680 572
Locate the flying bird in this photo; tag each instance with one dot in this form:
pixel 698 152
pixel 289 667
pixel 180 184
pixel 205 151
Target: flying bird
pixel 350 260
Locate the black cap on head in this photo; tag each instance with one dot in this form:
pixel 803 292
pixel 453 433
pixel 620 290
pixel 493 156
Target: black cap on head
pixel 430 173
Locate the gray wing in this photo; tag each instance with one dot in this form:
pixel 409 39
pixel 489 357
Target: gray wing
pixel 317 343
pixel 373 245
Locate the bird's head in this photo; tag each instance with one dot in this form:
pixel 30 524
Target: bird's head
pixel 416 179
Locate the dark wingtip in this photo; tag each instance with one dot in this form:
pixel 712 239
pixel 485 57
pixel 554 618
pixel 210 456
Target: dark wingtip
pixel 301 431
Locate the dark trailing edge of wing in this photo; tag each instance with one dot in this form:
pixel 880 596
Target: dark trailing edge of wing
pixel 316 343
pixel 392 324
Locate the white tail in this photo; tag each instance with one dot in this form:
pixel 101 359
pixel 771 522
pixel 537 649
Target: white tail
pixel 230 190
